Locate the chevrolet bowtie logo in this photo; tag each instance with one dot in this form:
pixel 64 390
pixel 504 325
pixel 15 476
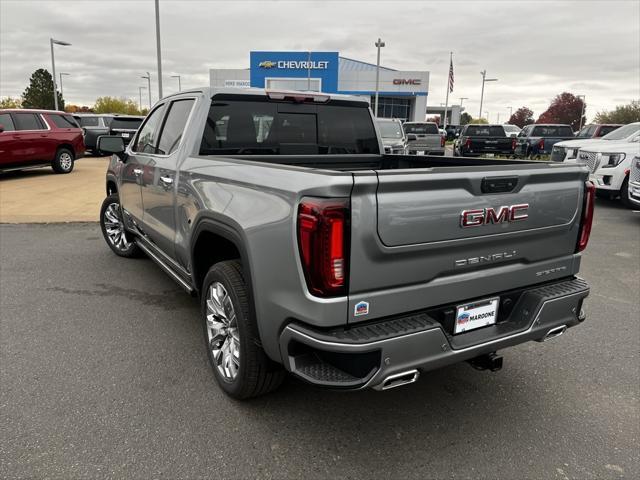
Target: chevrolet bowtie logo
pixel 267 64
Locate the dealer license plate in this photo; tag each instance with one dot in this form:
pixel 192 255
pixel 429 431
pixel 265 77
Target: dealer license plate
pixel 475 315
pixel 125 135
pixel 420 152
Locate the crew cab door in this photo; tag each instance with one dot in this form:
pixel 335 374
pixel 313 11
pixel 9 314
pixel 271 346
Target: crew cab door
pixel 139 167
pixel 159 178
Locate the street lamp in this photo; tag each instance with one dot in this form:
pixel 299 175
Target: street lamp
pixel 61 74
pixel 53 68
pixel 379 44
pixel 158 53
pixel 179 85
pixel 582 112
pixel 148 77
pixel 510 112
pixel 486 115
pixel 461 99
pixel 140 96
pixel 484 80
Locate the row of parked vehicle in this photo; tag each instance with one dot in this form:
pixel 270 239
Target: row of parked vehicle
pixel 36 138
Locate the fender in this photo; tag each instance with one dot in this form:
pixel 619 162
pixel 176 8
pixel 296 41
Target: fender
pixel 233 235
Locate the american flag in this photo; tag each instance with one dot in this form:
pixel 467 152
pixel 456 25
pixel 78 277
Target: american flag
pixel 451 75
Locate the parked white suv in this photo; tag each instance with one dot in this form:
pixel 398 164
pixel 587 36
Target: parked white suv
pixel 567 151
pixel 610 164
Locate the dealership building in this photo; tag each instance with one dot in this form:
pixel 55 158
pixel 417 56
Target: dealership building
pixel 402 94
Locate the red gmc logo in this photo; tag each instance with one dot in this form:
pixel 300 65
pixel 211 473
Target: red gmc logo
pixel 485 216
pixel 407 81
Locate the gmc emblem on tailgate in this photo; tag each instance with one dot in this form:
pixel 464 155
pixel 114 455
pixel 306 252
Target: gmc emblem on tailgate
pixel 485 216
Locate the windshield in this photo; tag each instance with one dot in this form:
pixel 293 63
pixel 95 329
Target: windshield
pixel 485 131
pixel 421 128
pixel 126 123
pixel 623 132
pixel 255 127
pixel 390 129
pixel 88 121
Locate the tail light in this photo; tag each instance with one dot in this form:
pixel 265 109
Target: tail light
pixel 323 239
pixel 541 144
pixel 587 216
pixel 442 141
pixel 513 144
pixel 467 144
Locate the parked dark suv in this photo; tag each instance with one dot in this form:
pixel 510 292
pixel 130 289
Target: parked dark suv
pixel 93 125
pixel 125 126
pixel 37 138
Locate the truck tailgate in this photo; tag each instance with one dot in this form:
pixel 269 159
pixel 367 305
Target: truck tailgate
pixel 491 144
pixel 418 251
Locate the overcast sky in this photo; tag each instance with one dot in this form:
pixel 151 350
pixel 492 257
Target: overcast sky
pixel 536 49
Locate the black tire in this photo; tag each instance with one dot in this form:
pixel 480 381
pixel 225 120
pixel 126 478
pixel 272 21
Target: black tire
pixel 111 220
pixel 624 194
pixel 256 374
pixel 63 161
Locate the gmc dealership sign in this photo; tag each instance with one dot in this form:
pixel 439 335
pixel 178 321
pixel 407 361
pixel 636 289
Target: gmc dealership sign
pixel 407 81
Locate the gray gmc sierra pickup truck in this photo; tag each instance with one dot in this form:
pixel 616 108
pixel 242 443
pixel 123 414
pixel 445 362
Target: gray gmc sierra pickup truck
pixel 313 252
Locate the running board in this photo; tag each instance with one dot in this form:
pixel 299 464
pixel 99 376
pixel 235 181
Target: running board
pixel 164 266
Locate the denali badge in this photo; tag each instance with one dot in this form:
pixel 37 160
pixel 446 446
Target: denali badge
pixel 475 218
pixel 493 257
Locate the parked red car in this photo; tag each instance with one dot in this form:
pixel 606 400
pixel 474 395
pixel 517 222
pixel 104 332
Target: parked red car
pixel 37 138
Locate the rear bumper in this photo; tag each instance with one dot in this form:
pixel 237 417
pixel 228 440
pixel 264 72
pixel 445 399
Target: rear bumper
pixel 367 355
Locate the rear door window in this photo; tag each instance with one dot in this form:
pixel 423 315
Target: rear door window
pixel 174 125
pixel 7 122
pixel 28 121
pixel 89 121
pixel 421 128
pixel 486 131
pixel 63 121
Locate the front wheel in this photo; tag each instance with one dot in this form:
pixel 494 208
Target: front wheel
pixel 118 239
pixel 63 161
pixel 239 364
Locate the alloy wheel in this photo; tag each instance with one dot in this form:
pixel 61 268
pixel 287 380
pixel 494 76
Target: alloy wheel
pixel 65 161
pixel 222 332
pixel 114 227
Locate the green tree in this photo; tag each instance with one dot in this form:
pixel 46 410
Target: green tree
pixel 465 118
pixel 480 121
pixel 521 117
pixel 10 102
pixel 116 105
pixel 39 92
pixel 565 108
pixel 622 114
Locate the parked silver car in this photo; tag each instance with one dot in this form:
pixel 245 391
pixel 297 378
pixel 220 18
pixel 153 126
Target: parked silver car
pixel 393 136
pixel 424 138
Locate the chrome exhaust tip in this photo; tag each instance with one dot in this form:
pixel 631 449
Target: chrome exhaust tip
pixel 554 333
pixel 399 379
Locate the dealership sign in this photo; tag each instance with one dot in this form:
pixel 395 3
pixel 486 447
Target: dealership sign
pixel 407 81
pixel 295 64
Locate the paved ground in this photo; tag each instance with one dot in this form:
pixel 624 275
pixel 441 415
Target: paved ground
pixel 40 196
pixel 104 374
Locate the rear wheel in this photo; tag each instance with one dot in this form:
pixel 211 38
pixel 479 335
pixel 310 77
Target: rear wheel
pixel 118 239
pixel 239 364
pixel 63 161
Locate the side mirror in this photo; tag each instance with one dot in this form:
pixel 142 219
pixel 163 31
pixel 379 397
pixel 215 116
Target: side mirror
pixel 411 137
pixel 110 144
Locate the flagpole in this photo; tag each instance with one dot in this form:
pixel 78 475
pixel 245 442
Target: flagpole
pixel 446 102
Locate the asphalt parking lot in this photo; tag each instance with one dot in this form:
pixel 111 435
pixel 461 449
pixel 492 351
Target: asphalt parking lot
pixel 104 374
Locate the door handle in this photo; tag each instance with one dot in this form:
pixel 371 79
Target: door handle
pixel 167 180
pixel 137 171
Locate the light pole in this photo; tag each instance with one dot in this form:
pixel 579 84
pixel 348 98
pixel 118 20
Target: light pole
pixel 484 80
pixel 510 112
pixel 179 85
pixel 53 68
pixel 158 52
pixel 140 96
pixel 379 44
pixel 486 114
pixel 461 100
pixel 148 77
pixel 498 119
pixel 61 89
pixel 582 111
